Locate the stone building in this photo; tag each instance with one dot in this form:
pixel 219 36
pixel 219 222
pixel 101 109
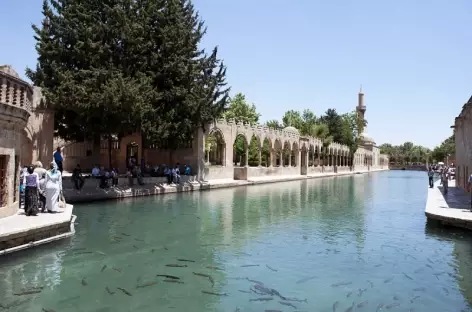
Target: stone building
pixel 368 154
pixel 281 152
pixel 26 134
pixel 463 140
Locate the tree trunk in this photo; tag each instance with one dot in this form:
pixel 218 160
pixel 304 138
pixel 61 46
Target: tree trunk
pixel 110 141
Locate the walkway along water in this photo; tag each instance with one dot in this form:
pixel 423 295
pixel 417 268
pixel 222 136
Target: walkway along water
pixel 92 193
pixel 452 209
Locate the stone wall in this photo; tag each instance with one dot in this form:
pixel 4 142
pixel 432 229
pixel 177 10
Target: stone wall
pixel 463 141
pixel 15 107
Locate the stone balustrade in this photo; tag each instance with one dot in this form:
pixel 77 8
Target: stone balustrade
pixel 16 96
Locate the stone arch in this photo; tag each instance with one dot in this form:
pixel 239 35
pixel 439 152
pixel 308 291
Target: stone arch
pixel 267 152
pixel 278 151
pixel 287 151
pixel 215 147
pixel 240 150
pixel 294 155
pixel 311 155
pixel 255 149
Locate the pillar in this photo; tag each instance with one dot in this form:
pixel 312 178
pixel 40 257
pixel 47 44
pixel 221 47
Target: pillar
pixel 246 158
pixel 260 156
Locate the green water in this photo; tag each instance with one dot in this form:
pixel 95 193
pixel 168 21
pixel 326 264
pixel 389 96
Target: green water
pixel 359 239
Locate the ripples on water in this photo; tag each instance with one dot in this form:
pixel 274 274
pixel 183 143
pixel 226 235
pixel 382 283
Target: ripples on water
pixel 358 241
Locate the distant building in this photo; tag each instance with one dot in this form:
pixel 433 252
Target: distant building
pixel 26 134
pixel 463 140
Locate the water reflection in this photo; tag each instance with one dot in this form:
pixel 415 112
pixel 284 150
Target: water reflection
pixel 356 241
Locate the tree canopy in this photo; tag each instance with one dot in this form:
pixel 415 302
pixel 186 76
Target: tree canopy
pixel 114 67
pixel 445 149
pixel 406 153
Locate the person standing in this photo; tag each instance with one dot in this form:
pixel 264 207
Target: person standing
pixel 58 158
pixel 31 183
pixel 78 178
pixel 431 177
pixel 53 188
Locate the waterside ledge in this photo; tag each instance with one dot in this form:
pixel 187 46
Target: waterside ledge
pixel 19 232
pixel 96 194
pixel 452 209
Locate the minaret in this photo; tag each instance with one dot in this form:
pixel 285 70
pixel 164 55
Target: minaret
pixel 361 109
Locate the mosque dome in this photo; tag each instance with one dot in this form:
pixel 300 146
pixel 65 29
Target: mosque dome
pixel 291 129
pixel 367 139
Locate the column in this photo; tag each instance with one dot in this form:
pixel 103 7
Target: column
pixel 246 158
pixel 260 156
pixel 290 159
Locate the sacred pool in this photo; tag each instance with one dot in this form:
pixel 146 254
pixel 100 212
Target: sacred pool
pixel 354 243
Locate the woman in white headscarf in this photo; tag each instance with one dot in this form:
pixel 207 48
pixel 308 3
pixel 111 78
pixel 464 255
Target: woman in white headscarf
pixel 53 188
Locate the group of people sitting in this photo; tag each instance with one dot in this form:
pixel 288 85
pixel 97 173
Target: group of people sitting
pixel 42 188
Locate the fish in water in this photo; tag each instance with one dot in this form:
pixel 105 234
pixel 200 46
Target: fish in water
pixel 288 304
pixel 212 281
pixel 388 280
pixel 419 289
pixel 429 266
pixel 351 308
pixel 272 311
pixel 306 279
pixel 146 284
pixel 168 276
pixel 153 250
pixel 445 290
pixel 84 282
pixel 214 268
pixel 125 234
pixel 414 298
pixel 349 294
pixel 371 284
pixel 109 291
pixel 379 307
pixel 262 299
pixel 28 292
pixel 378 265
pixel 249 265
pixel 254 281
pixel 185 260
pixel 47 310
pixel 396 298
pixel 361 291
pixel 173 281
pixel 392 305
pixel 176 265
pixel 335 306
pixel 244 291
pixel 270 268
pixel 103 268
pixel 362 304
pixel 117 269
pixel 139 240
pixel 101 253
pixel 136 247
pixel 124 291
pixel 341 284
pixel 407 276
pixel 214 293
pixel 296 300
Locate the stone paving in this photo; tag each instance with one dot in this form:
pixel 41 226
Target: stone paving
pixel 452 208
pixel 19 232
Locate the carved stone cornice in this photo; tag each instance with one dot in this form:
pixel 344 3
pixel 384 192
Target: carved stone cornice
pixel 15 115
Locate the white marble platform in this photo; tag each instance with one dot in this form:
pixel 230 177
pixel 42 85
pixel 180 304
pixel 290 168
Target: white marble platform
pixel 20 232
pixel 452 208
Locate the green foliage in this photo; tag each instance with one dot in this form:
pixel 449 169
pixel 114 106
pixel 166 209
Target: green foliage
pixel 113 67
pixel 406 153
pixel 447 147
pixel 274 124
pixel 241 111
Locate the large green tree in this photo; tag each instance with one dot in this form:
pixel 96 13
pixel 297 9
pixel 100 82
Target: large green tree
pixel 112 67
pixel 445 149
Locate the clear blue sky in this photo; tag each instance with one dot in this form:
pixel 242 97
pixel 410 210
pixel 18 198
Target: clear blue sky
pixel 413 58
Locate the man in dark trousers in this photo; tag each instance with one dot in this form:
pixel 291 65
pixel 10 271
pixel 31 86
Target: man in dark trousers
pixel 431 176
